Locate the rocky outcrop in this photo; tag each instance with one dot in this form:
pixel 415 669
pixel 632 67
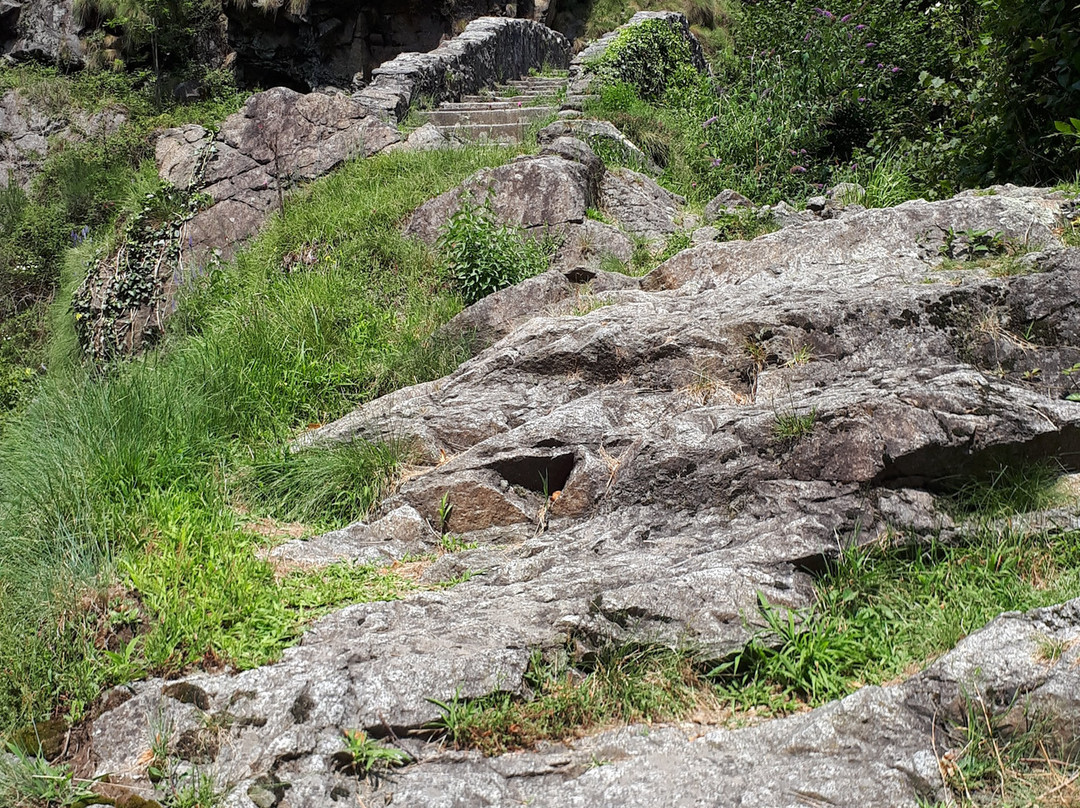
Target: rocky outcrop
pixel 282 137
pixel 26 127
pixel 278 139
pixel 663 419
pixel 44 30
pixel 601 136
pixel 556 192
pixel 490 50
pixel 879 748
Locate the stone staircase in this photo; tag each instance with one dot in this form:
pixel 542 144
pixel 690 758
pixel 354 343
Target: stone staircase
pixel 502 113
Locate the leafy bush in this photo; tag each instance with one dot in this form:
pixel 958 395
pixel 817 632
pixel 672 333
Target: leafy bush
pixel 651 56
pixel 483 256
pixel 911 98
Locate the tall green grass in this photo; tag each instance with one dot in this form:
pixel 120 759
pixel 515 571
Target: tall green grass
pixel 128 477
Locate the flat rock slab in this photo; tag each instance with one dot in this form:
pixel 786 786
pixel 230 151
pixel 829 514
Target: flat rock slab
pixel 658 418
pixel 879 747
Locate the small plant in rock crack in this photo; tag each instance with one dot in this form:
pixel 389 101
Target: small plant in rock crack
pixel 364 755
pixel 483 256
pixel 455 544
pixel 446 508
pixel 989 761
pixel 972 245
pixel 804 654
pixel 458 716
pixel 1073 374
pixel 800 354
pixel 791 426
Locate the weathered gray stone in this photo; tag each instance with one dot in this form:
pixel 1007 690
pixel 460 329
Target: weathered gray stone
pixel 531 192
pixel 427 138
pixel 486 322
pixel 393 537
pixel 878 747
pixel 27 126
pixel 577 151
pixel 725 202
pixel 589 243
pixel 892 243
pixel 847 193
pixel 599 134
pixel 44 30
pixel 679 506
pixel 639 205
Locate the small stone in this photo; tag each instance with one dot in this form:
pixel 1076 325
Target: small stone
pixel 262 796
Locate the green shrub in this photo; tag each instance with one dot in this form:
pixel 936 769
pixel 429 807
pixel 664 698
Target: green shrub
pixel 651 56
pixel 482 256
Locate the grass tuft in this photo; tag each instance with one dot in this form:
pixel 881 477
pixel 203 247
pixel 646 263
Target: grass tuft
pixel 617 685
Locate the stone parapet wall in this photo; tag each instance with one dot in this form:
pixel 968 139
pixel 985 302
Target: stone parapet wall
pixel 490 50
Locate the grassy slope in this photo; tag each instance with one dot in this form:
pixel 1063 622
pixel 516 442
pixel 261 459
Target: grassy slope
pixel 123 488
pixel 118 493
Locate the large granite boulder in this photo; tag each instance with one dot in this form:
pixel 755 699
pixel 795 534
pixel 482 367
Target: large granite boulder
pixel 557 191
pixel 682 501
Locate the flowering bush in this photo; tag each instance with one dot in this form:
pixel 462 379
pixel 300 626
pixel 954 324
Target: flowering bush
pixel 950 94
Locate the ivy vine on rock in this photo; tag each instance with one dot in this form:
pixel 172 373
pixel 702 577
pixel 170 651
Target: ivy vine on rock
pixel 117 307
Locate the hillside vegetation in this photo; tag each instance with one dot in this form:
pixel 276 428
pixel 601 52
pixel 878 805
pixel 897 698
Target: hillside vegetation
pixel 135 498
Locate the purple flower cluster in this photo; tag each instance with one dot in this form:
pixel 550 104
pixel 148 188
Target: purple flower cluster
pixel 79 236
pixel 798 170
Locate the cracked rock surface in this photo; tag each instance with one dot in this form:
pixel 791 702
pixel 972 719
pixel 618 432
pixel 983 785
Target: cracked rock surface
pixel 659 418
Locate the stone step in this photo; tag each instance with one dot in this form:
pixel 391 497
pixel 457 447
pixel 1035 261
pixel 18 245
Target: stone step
pixel 502 103
pixel 486 131
pixel 501 94
pixel 516 115
pixel 536 81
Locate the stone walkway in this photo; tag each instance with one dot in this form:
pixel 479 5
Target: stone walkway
pixel 502 113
